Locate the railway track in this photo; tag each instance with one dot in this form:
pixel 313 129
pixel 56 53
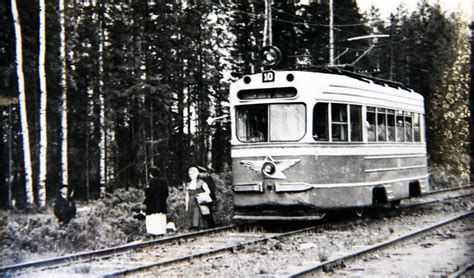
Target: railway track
pixel 334 263
pixel 437 196
pixel 147 256
pixel 156 254
pixel 445 193
pixel 104 253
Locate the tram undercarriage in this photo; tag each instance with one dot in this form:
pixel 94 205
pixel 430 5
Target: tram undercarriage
pixel 313 203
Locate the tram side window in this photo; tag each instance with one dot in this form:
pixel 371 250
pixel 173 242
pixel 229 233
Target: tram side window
pixel 356 123
pixel 339 122
pixel 370 124
pixel 417 127
pixel 320 122
pixel 408 127
pixel 252 123
pixel 400 127
pixel 381 125
pixel 391 125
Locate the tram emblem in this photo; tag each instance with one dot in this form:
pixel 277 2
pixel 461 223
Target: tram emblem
pixel 269 167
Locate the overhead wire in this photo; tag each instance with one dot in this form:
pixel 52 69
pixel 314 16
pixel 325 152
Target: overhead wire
pixel 304 22
pixel 318 24
pixel 262 16
pixel 310 23
pixel 322 25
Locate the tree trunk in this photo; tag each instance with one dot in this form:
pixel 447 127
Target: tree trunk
pixel 471 99
pixel 43 103
pixel 22 105
pixel 64 110
pixel 10 160
pixel 102 122
pixel 102 142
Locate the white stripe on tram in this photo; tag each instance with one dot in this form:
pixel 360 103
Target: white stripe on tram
pixel 372 183
pixel 368 151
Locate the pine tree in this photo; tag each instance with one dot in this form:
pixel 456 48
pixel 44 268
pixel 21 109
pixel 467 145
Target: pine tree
pixel 83 132
pixel 286 29
pixel 315 38
pixel 432 58
pixel 246 24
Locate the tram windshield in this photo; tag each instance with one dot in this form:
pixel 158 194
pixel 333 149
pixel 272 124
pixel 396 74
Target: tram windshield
pixel 270 122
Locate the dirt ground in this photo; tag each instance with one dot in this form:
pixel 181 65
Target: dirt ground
pixel 280 258
pixel 438 254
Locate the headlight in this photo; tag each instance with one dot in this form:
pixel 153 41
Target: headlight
pixel 268 169
pixel 270 55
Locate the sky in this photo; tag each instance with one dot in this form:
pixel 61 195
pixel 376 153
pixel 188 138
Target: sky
pixel 388 6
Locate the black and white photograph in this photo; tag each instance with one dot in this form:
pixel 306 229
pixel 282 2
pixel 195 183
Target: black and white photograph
pixel 236 138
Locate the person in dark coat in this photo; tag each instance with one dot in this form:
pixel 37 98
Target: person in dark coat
pixel 207 178
pixel 156 194
pixel 64 207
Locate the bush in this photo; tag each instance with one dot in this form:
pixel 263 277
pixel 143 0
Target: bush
pixel 446 176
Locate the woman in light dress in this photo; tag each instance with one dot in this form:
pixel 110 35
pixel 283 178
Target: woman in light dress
pixel 195 212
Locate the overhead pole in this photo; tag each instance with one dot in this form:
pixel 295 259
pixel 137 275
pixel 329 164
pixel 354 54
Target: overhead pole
pixel 270 27
pixel 267 28
pixel 331 33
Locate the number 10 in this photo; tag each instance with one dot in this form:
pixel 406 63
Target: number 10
pixel 268 76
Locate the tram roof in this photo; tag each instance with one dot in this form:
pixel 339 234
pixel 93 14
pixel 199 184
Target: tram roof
pixel 334 77
pixel 359 76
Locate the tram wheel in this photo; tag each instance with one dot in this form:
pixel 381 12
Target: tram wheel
pixel 395 204
pixel 359 212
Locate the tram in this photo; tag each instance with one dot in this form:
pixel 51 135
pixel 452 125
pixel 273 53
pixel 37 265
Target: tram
pixel 309 141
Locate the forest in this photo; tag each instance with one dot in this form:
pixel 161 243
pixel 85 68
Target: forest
pixel 95 92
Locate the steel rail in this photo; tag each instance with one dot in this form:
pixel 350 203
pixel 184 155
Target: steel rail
pixel 436 201
pixel 89 255
pixel 447 190
pixel 339 260
pixel 232 247
pixel 462 271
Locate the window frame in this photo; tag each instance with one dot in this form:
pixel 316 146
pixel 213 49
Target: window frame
pixel 417 127
pixel 327 124
pixel 379 129
pixel 269 122
pixel 342 124
pixel 330 124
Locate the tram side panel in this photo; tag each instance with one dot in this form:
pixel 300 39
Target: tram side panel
pixel 399 176
pixel 317 182
pixel 329 182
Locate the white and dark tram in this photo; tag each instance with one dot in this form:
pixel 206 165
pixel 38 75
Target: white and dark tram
pixel 307 142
